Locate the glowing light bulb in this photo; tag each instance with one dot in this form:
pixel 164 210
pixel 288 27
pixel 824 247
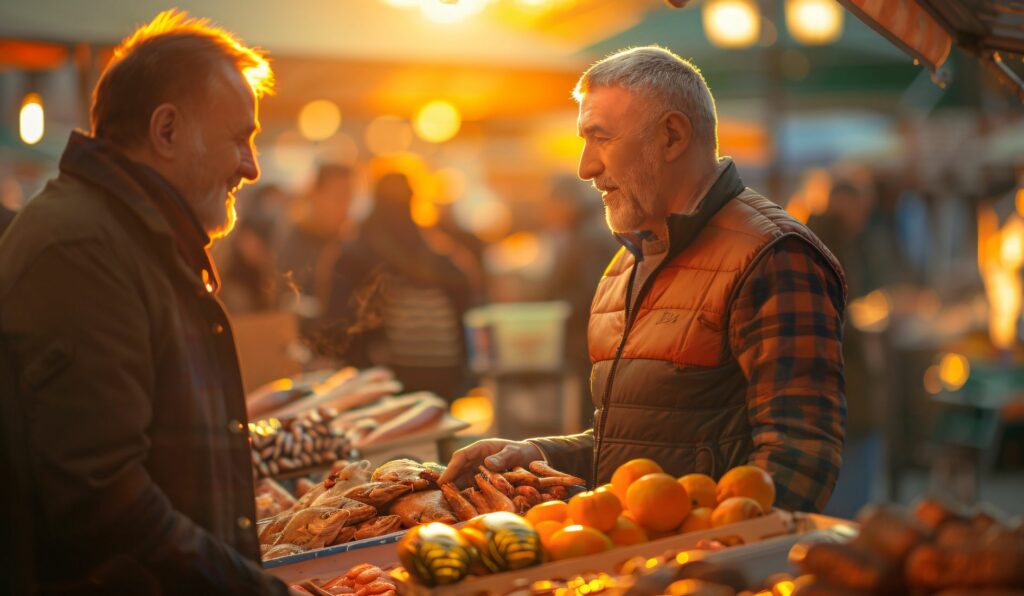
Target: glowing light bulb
pixel 814 22
pixel 732 23
pixel 31 119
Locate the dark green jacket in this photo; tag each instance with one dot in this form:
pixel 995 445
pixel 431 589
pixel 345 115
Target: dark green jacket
pixel 123 406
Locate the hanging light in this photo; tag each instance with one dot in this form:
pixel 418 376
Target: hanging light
pixel 31 119
pixel 437 122
pixel 814 22
pixel 450 11
pixel 732 23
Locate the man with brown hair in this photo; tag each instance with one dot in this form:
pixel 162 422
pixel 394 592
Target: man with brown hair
pixel 123 409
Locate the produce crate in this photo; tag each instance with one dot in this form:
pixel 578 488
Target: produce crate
pixel 766 541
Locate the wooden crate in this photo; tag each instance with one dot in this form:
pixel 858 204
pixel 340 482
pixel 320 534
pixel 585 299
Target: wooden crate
pixel 330 562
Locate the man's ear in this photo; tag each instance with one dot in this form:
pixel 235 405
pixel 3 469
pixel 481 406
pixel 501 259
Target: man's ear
pixel 679 133
pixel 165 130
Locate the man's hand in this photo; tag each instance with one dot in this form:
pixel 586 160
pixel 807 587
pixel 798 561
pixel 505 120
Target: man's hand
pixel 497 454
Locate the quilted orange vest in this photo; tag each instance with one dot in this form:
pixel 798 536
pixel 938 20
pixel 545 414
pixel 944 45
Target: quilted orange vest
pixel 664 382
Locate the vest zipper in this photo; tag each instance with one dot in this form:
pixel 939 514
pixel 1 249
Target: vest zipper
pixel 630 319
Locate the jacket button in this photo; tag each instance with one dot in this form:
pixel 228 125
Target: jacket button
pixel 236 427
pixel 217 328
pixel 244 522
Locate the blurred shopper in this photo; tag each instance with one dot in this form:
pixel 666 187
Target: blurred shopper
pixel 716 330
pixel 309 250
pixel 124 419
pixel 583 247
pixel 398 296
pixel 842 228
pixel 249 280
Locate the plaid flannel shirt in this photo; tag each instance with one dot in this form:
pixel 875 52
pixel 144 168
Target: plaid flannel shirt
pixel 786 333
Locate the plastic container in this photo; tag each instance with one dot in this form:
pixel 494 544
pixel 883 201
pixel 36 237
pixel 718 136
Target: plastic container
pixel 517 336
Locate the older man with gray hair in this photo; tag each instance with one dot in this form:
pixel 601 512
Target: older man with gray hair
pixel 716 331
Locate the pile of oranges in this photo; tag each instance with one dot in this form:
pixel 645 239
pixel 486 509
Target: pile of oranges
pixel 643 503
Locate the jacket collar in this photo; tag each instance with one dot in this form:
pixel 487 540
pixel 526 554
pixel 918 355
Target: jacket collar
pixel 146 193
pixel 684 227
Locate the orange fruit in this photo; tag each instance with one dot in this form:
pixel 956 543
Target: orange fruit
pixel 577 541
pixel 701 489
pixel 747 481
pixel 626 532
pixel 597 508
pixel 658 502
pixel 545 529
pixel 547 511
pixel 699 519
pixel 735 509
pixel 630 471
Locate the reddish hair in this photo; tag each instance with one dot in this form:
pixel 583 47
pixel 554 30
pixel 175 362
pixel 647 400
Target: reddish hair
pixel 171 58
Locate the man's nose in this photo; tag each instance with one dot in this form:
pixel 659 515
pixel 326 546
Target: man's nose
pixel 590 166
pixel 249 168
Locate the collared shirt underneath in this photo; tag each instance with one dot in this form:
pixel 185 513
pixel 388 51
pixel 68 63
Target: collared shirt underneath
pixel 653 248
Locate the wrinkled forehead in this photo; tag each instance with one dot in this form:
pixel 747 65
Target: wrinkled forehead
pixel 604 106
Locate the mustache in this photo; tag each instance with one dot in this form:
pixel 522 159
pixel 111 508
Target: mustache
pixel 603 185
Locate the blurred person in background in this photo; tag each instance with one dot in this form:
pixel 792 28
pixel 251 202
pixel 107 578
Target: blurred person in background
pixel 310 248
pixel 583 247
pixel 843 228
pixel 249 280
pixel 715 332
pixel 398 295
pixel 126 451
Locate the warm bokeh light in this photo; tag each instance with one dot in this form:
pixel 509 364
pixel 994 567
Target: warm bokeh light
pixel 477 411
pixel 732 23
pixel 814 22
pixel 450 11
pixel 871 312
pixel 388 135
pixel 1011 248
pixel 817 188
pixel 954 369
pixel 319 119
pixel 403 3
pixel 783 588
pixel 31 119
pixel 451 185
pixel 1000 259
pixel 1019 199
pixel 798 209
pixel 437 122
pixel 423 211
pixel 516 251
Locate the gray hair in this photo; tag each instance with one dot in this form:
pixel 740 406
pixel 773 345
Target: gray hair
pixel 652 70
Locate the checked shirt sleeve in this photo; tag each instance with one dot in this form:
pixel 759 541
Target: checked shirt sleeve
pixel 785 329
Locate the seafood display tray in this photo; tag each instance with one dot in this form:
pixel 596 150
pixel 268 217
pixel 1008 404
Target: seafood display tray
pixel 767 541
pixel 330 561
